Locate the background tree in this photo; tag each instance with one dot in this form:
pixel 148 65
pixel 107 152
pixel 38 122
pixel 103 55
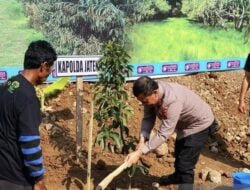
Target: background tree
pixel 142 10
pixel 247 34
pixel 175 7
pixel 239 12
pixel 70 24
pixel 219 12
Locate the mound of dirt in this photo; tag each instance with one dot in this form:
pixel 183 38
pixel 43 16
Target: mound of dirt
pixel 228 151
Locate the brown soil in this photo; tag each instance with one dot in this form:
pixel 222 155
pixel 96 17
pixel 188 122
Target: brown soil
pixel 220 90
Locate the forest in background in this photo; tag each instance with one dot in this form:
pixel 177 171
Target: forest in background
pixel 85 24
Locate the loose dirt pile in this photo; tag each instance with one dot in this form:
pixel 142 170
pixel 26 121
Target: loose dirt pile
pixel 228 151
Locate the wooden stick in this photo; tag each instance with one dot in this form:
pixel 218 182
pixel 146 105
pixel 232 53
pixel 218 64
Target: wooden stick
pixel 79 117
pixel 90 143
pixel 104 183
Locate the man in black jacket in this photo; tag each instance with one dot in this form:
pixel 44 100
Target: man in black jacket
pixel 21 162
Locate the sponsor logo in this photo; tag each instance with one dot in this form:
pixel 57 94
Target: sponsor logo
pixel 145 69
pixel 169 68
pixel 233 64
pixel 3 75
pixel 192 66
pixel 213 65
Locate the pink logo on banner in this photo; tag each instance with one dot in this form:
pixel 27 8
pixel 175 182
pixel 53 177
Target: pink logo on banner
pixel 233 64
pixel 192 66
pixel 3 75
pixel 145 69
pixel 214 65
pixel 169 68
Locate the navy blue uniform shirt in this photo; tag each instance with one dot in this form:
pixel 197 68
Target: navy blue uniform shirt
pixel 20 152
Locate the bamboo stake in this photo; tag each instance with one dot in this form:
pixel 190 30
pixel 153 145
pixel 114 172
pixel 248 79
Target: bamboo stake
pixel 79 117
pixel 90 143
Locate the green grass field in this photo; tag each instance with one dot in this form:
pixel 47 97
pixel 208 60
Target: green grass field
pixel 178 39
pixel 15 33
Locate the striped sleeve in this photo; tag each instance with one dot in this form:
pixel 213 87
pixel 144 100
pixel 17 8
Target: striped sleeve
pixel 29 140
pixel 32 155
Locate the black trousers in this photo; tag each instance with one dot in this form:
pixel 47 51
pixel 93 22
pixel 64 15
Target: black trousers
pixel 187 152
pixel 6 185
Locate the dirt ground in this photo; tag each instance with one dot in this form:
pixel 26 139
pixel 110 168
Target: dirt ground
pixel 58 132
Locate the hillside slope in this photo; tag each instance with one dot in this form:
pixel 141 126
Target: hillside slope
pixel 15 33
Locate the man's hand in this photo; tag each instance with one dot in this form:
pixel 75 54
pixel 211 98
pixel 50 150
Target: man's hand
pixel 141 143
pixel 133 157
pixel 242 107
pixel 40 185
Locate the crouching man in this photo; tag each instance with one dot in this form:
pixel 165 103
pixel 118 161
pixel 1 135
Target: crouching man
pixel 180 110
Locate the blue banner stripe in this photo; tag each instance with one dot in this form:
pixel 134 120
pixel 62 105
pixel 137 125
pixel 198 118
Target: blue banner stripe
pixel 31 150
pixel 28 138
pixel 166 69
pixel 37 173
pixel 33 162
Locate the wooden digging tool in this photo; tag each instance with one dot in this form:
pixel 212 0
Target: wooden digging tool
pixel 104 183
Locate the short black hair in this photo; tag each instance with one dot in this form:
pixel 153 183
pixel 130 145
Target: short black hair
pixel 37 53
pixel 144 85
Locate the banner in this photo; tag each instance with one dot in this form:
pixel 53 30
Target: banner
pixel 154 69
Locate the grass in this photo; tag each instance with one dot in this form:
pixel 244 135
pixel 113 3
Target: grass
pixel 15 33
pixel 178 39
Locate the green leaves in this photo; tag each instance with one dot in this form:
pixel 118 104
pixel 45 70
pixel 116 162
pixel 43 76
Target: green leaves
pixel 106 135
pixel 56 86
pixel 117 139
pixel 51 90
pixel 114 65
pixel 111 98
pixel 101 138
pixel 136 168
